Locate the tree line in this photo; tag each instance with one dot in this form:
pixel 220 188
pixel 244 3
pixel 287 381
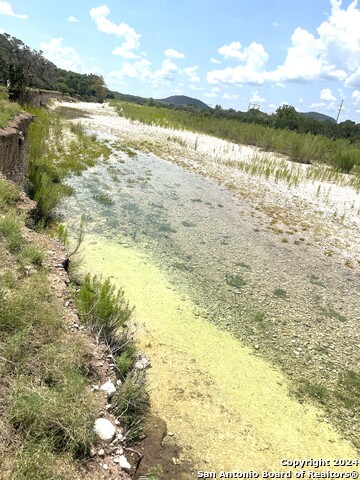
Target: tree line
pixel 23 69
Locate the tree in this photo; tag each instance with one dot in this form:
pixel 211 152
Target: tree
pixel 287 117
pixel 22 68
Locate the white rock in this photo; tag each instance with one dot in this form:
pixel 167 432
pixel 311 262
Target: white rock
pixel 105 466
pixel 101 452
pixel 109 388
pixel 104 429
pixel 142 362
pixel 124 463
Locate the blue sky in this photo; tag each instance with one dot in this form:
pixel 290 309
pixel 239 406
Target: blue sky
pixel 229 52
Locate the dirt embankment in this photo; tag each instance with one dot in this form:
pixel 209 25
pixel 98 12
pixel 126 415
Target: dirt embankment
pixel 13 149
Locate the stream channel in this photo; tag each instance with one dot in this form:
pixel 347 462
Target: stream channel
pixel 213 292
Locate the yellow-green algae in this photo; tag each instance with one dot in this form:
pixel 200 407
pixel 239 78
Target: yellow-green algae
pixel 228 408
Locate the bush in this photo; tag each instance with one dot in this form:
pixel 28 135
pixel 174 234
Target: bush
pixel 103 307
pixel 10 227
pixel 131 404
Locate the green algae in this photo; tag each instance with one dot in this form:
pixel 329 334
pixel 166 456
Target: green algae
pixel 228 408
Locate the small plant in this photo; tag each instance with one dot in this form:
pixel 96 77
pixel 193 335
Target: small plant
pixel 185 223
pixel 9 193
pixel 125 359
pixel 331 313
pixel 235 280
pixel 155 473
pixel 313 390
pixel 348 388
pixel 165 227
pixel 10 227
pixel 259 316
pixel 31 254
pixel 182 266
pixel 130 406
pixel 280 293
pixel 103 307
pixel 103 198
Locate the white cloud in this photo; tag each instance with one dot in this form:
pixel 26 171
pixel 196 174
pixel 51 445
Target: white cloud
pixel 210 94
pixel 356 97
pixel 214 60
pixel 226 96
pixel 256 97
pixel 191 72
pixel 254 56
pixel 194 87
pixel 301 100
pixel 6 9
pixel 333 53
pixel 2 31
pixel 130 36
pixel 64 57
pixel 326 94
pixel 73 19
pixel 275 24
pixel 170 53
pixel 166 72
pixel 317 105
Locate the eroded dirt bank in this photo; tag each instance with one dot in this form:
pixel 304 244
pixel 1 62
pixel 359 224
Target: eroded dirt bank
pixel 269 263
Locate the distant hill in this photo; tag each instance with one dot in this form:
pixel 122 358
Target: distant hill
pixel 183 100
pixel 318 116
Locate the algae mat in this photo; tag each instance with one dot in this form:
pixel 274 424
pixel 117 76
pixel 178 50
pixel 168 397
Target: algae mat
pixel 228 408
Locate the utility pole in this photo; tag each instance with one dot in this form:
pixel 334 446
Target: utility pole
pixel 340 108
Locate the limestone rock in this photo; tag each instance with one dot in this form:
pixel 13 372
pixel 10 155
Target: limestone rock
pixel 109 388
pixel 104 429
pixel 124 464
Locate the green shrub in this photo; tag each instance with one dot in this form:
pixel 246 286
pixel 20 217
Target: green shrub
pixel 10 227
pixel 31 254
pixel 9 193
pixel 345 160
pixel 236 281
pixel 103 307
pixel 131 404
pixel 125 359
pixel 280 293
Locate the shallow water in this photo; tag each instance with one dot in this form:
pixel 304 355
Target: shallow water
pixel 193 258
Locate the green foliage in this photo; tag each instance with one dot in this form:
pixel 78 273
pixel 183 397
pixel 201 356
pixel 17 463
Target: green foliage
pixel 103 307
pixel 348 388
pixel 31 254
pixel 131 404
pixel 314 391
pixel 235 280
pixel 345 160
pixel 9 194
pixel 155 473
pixel 303 140
pixel 125 359
pixel 280 293
pixel 7 111
pixel 103 198
pixel 22 68
pixel 10 227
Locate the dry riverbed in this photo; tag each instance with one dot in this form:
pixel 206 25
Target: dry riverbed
pixel 274 264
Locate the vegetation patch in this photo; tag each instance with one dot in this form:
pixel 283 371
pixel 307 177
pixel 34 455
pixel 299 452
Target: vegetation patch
pixel 235 280
pixel 8 110
pixel 280 293
pixel 348 388
pixel 331 313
